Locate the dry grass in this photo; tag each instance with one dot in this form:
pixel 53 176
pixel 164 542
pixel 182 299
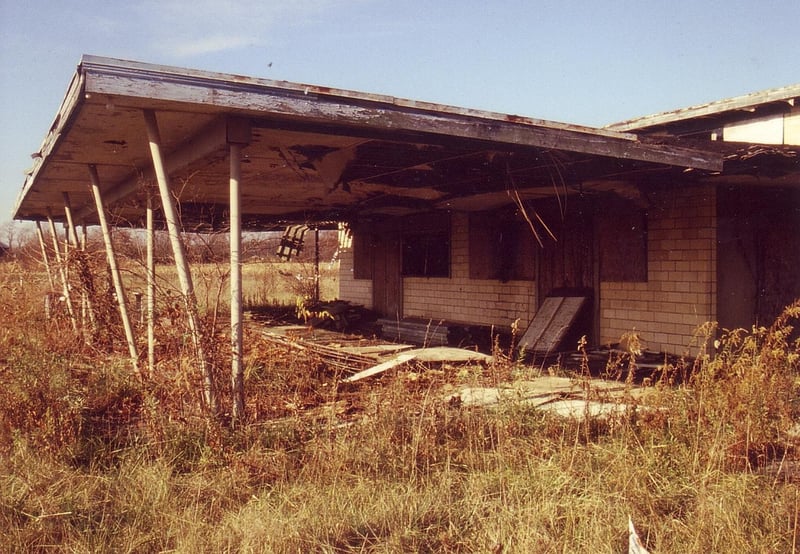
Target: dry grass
pixel 263 283
pixel 92 460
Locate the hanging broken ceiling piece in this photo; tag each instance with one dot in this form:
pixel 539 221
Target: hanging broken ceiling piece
pixel 292 242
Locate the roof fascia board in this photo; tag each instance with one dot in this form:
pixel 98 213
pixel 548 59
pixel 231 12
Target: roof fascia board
pixel 718 107
pixel 96 63
pixel 262 98
pixel 61 122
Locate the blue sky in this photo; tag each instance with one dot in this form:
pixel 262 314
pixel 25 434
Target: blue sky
pixel 587 62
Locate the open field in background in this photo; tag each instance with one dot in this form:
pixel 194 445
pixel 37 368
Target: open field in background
pixel 263 283
pixel 93 460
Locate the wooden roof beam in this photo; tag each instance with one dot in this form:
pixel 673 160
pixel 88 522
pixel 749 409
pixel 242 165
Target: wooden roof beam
pixel 214 138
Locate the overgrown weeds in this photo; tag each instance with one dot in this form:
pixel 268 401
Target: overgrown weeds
pixel 92 459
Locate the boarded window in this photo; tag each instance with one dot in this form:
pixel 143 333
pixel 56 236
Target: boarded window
pixel 426 246
pixel 501 247
pixel 622 236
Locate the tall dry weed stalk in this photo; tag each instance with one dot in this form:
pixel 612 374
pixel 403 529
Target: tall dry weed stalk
pixel 746 393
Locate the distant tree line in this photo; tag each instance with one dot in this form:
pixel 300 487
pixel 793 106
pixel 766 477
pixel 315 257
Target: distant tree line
pixel 19 241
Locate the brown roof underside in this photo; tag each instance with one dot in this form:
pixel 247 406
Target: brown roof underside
pixel 309 153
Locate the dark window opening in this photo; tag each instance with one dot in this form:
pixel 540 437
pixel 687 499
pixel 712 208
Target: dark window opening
pixel 501 246
pixel 426 255
pixel 426 246
pixel 622 236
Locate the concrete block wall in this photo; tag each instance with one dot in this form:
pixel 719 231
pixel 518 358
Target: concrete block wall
pixel 680 292
pixel 461 299
pixel 358 291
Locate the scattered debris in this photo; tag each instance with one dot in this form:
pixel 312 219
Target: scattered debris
pixel 327 345
pixel 560 396
pixel 355 354
pixel 363 358
pixel 338 315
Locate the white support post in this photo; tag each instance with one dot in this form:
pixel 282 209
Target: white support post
pixel 45 256
pixel 63 273
pixel 151 286
pixel 72 233
pixel 237 371
pixel 66 249
pixel 178 252
pixel 115 274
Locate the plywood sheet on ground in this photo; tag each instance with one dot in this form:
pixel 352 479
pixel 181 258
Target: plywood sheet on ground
pixel 574 398
pixel 445 354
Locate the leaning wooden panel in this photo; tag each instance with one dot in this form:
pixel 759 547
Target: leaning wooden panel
pixel 551 323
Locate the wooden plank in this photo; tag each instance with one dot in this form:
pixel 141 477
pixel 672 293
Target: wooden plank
pixel 562 321
pixel 377 350
pixel 415 331
pixel 420 331
pixel 443 354
pixel 398 360
pixel 551 323
pixel 539 323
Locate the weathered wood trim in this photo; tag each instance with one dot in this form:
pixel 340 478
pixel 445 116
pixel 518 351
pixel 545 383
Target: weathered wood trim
pixel 96 64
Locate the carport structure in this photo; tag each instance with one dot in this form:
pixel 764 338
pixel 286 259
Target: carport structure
pixel 165 146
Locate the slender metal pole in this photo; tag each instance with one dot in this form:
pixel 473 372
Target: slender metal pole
pixel 237 371
pixel 115 274
pixel 151 286
pixel 45 257
pixel 72 233
pixel 63 273
pixel 179 253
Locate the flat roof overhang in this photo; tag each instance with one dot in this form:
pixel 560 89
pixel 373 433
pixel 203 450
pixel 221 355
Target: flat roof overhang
pixel 712 116
pixel 309 153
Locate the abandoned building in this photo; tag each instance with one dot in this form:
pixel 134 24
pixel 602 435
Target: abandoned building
pixel 655 249
pixel 463 217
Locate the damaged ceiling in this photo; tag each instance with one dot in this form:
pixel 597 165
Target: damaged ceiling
pixel 310 153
